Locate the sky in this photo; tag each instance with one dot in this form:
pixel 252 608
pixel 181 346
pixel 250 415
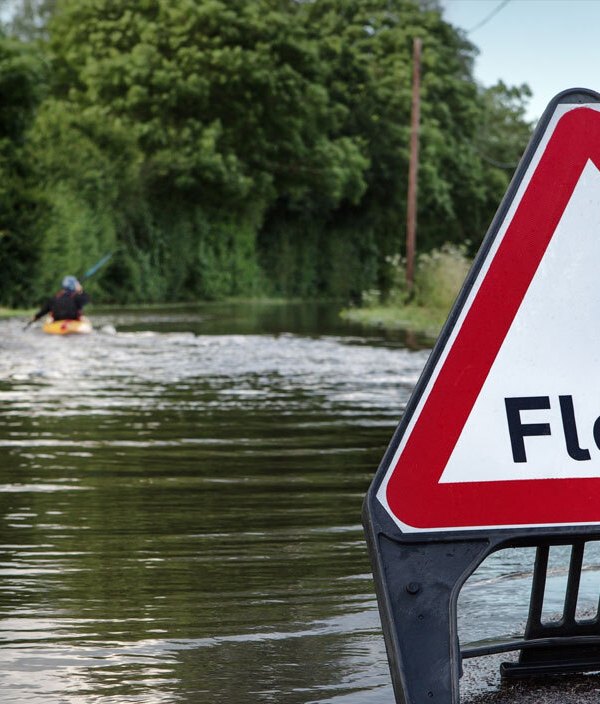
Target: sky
pixel 551 45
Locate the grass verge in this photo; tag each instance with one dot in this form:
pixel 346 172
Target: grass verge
pixel 408 317
pixel 16 312
pixel 438 278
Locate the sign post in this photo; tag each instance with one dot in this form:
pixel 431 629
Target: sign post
pixel 500 442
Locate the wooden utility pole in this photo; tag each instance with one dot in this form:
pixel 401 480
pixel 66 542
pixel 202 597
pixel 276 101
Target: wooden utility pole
pixel 413 167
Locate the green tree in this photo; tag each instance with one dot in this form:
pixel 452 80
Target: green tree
pixel 86 173
pixel 225 98
pixel 227 105
pixel 365 48
pixel 21 81
pixel 213 140
pixel 501 137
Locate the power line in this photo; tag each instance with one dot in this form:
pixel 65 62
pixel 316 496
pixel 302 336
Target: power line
pixel 487 18
pixel 497 164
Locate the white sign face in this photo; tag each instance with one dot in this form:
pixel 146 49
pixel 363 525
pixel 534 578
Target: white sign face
pixel 546 377
pixel 506 428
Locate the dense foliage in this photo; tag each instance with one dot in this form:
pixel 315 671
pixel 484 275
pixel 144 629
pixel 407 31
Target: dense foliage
pixel 236 147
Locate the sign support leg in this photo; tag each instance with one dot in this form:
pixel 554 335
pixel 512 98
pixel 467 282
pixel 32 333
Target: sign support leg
pixel 566 644
pixel 418 588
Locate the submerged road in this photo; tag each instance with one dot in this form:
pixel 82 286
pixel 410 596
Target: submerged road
pixel 180 501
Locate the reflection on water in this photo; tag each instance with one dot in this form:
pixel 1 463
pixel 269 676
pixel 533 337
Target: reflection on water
pixel 180 509
pixel 181 506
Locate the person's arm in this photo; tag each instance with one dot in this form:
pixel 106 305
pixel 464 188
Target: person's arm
pixel 44 310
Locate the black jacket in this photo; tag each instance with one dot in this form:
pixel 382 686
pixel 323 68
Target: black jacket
pixel 65 305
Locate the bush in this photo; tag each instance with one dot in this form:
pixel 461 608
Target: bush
pixel 439 275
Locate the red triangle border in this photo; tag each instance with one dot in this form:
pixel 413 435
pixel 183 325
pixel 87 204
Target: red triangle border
pixel 414 496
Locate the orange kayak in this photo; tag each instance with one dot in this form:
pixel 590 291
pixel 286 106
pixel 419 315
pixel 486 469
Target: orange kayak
pixel 67 327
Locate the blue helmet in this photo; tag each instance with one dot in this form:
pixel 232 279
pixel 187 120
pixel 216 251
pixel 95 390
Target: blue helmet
pixel 70 283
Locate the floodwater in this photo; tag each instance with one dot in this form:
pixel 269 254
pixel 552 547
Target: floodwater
pixel 180 497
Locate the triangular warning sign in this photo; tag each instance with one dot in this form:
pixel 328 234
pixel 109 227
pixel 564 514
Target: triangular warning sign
pixel 504 427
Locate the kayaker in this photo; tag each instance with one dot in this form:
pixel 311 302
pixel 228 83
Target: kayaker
pixel 67 304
